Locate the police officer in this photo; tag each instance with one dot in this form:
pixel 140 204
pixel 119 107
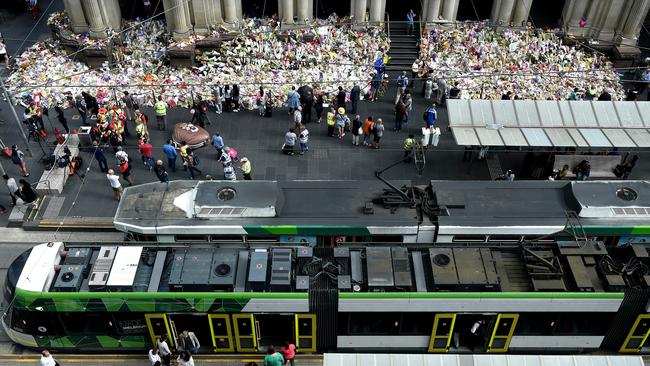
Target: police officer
pixel 161 113
pixel 246 168
pixel 409 142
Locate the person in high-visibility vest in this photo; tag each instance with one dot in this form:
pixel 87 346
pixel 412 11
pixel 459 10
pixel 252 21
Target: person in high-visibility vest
pixel 409 142
pixel 161 113
pixel 246 168
pixel 185 154
pixel 331 122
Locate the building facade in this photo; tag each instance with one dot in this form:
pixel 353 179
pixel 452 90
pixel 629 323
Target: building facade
pixel 611 23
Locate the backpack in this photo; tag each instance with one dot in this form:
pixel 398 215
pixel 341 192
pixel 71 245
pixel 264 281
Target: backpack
pixel 15 158
pixel 425 115
pixel 63 161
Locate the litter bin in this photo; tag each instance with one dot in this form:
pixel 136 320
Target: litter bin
pixel 430 136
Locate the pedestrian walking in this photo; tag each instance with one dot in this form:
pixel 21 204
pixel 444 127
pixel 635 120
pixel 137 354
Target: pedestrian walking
pixel 100 157
pixel 293 100
pixel 378 132
pixel 409 143
pixel 355 96
pixel 400 113
pixel 154 357
pixel 47 359
pixel 218 143
pixel 368 126
pixel 297 115
pixel 402 83
pixel 141 129
pixel 161 172
pixel 26 192
pixel 583 170
pixel 273 358
pixel 288 351
pixel 217 97
pixel 410 21
pixel 289 142
pixel 357 131
pixel 341 121
pixel 304 139
pixel 192 163
pixel 319 105
pixel 261 104
pixel 163 348
pixel 340 98
pixel 13 188
pixel 82 109
pixel 114 180
pixel 235 97
pixel 415 72
pixel 229 172
pixel 3 54
pixel 246 168
pixel 18 158
pixel 160 109
pixel 408 106
pixel 227 95
pixel 629 165
pixel 125 169
pixel 431 115
pixel 307 105
pixel 61 118
pixel 131 105
pixel 185 359
pixel 146 153
pixel 189 342
pixel 171 153
pixel 331 122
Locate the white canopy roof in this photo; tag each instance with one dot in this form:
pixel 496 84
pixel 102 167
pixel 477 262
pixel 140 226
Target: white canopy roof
pixel 347 359
pixel 549 123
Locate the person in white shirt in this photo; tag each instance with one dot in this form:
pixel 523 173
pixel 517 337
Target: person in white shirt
pixel 115 184
pixel 3 53
pixel 304 139
pixel 164 351
pixel 13 188
pixel 121 155
pixel 185 359
pixel 154 357
pixel 47 359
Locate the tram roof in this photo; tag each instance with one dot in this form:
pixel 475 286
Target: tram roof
pixel 542 203
pixel 550 123
pixel 159 208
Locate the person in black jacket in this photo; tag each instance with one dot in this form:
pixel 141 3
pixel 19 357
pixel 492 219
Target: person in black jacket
pixel 26 192
pixel 340 98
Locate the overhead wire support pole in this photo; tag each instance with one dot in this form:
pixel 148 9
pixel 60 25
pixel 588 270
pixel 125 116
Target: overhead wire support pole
pixel 10 100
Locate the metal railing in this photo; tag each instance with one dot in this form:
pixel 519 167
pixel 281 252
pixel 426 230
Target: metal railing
pixel 387 21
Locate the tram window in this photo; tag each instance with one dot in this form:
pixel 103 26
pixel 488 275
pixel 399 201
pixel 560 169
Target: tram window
pixel 261 238
pixel 584 323
pixel 227 238
pixel 504 238
pixel 374 323
pixel 88 323
pixel 416 323
pixel 536 323
pixel 387 239
pixel 35 323
pixel 468 238
pixel 191 238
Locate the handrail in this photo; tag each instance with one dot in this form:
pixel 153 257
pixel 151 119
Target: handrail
pixel 47 183
pixel 387 17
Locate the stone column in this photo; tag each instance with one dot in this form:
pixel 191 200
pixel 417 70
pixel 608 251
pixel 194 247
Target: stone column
pixel 376 14
pixel 181 20
pixel 578 12
pixel 110 12
pixel 287 11
pixel 433 10
pixel 302 9
pixel 230 10
pixel 94 15
pixel 450 10
pixel 76 14
pixel 494 14
pixel 217 15
pixel 240 11
pixel 310 9
pixel 634 22
pixel 612 16
pixel 203 15
pixel 522 10
pixel 359 13
pixel 505 11
pixel 169 14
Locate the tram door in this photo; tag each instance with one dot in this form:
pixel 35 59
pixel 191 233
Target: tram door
pixel 502 331
pixel 443 330
pixel 221 332
pixel 245 332
pixel 637 336
pixel 305 332
pixel 158 325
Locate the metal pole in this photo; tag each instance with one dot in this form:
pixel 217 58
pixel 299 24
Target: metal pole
pixel 10 100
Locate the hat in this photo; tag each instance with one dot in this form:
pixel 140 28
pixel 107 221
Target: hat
pixel 244 159
pixel 341 110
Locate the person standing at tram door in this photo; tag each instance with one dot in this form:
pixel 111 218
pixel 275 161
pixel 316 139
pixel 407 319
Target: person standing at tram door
pixel 476 334
pixel 189 342
pixel 154 357
pixel 288 352
pixel 185 359
pixel 47 359
pixel 273 358
pixel 164 351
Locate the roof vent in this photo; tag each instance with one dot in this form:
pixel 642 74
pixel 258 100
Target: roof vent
pixel 441 260
pixel 226 194
pixel 626 194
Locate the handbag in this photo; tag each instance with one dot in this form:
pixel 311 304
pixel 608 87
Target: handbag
pixel 360 131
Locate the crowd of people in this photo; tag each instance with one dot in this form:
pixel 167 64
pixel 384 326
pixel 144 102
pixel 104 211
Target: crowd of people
pixel 485 63
pixel 330 53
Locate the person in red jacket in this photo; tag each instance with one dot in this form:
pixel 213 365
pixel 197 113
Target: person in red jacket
pixel 288 352
pixel 147 154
